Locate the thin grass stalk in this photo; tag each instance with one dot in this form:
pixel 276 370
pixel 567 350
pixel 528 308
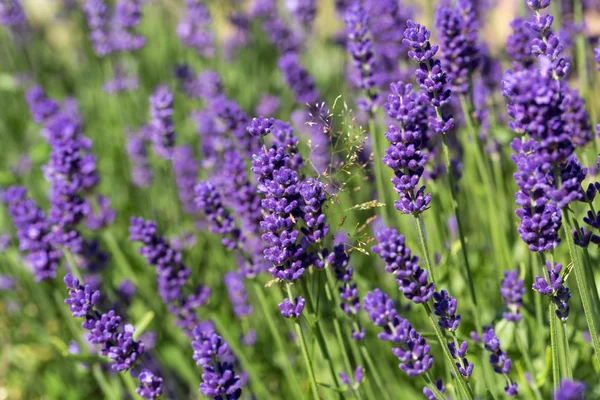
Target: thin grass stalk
pixel 582 286
pixel 464 387
pixel 288 372
pixel 567 352
pixel 320 336
pixel 488 183
pixel 379 175
pixel 305 353
pixel 424 247
pixel 461 233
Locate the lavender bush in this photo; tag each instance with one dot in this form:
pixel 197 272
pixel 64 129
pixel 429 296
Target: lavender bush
pixel 262 199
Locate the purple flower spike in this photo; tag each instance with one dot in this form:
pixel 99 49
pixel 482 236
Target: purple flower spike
pixel 194 29
pixel 416 36
pixel 444 306
pixel 457 25
pixel 412 280
pixel 292 310
pixel 545 287
pixel 220 382
pixel 360 48
pixel 413 352
pixel 81 299
pixel 431 77
pixel 208 346
pixel 298 79
pixel 439 385
pixel 260 126
pixel 512 291
pixel 151 386
pixel 163 129
pixel 570 390
pixel 499 360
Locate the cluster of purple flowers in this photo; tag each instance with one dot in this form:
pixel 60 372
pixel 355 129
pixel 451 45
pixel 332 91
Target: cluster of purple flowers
pixel 457 26
pixel 185 169
pixel 34 233
pixel 554 286
pixel 406 155
pixel 444 307
pixel 222 222
pixel 117 34
pixel 518 45
pixel 431 76
pixel 499 359
pixel 298 79
pixel 411 278
pixel 339 260
pixel 413 350
pixel 292 309
pixel 114 338
pixel 206 85
pixel 194 29
pixel 172 274
pixel 512 291
pixel 212 353
pixel 12 14
pixel 570 390
pixel 161 122
pixel 360 48
pixel 279 34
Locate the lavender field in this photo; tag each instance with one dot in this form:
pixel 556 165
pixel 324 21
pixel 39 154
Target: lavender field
pixel 299 199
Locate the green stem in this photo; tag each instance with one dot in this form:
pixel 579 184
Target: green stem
pixel 464 387
pixel 569 368
pixel 290 376
pixel 528 363
pixel 461 232
pixel 424 247
pixel 305 353
pixel 378 163
pixel 72 265
pixel 582 286
pixel 580 51
pixel 375 373
pixel 553 345
pixel 587 262
pixel 497 227
pixel 320 335
pixel 431 385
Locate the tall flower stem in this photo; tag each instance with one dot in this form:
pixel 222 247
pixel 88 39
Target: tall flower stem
pixel 497 227
pixel 580 51
pixel 525 353
pixel 424 247
pixel 290 376
pixel 379 171
pixel 582 286
pixel 464 387
pixel 568 369
pixel 320 335
pixel 553 338
pixel 357 354
pixel 305 352
pixel 461 232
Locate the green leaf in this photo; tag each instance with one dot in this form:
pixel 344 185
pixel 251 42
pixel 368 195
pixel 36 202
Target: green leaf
pixel 143 324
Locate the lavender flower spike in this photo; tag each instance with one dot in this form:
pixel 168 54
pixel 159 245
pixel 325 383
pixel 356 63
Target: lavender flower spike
pixel 412 280
pixel 292 310
pixel 413 352
pixel 431 77
pixel 360 48
pixel 499 359
pixel 512 291
pixel 546 287
pixel 570 390
pixel 163 129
